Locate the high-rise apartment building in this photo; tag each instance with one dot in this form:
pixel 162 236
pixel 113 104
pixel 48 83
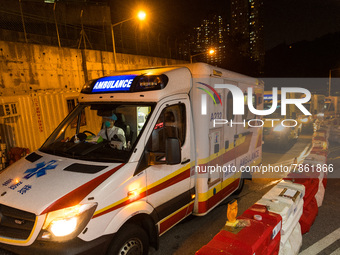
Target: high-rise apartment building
pixel 237 37
pixel 246 28
pixel 210 34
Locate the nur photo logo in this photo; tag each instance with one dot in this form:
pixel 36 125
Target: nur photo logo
pixel 239 101
pixel 204 97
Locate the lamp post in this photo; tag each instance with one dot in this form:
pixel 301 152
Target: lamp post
pixel 329 80
pixel 210 52
pixel 141 16
pixel 56 25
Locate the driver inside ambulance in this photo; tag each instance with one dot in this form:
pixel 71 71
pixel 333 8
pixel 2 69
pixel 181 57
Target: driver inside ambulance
pixel 110 132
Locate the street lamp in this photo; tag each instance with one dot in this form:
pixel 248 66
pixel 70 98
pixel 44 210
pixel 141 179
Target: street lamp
pixel 141 16
pixel 329 80
pixel 210 52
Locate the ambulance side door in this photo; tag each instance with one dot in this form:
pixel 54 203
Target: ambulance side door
pixel 168 183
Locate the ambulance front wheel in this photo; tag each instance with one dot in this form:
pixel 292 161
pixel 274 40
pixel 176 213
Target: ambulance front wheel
pixel 130 240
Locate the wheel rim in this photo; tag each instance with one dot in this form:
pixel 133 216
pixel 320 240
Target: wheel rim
pixel 133 246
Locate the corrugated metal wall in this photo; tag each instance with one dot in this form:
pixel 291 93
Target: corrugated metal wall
pixel 38 114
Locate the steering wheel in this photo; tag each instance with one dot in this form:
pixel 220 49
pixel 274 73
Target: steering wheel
pixel 88 132
pixel 82 136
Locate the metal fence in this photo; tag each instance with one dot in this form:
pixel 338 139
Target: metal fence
pixel 76 26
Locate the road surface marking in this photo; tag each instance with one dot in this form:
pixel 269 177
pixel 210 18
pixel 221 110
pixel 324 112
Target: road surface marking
pixel 336 252
pixel 333 158
pixel 322 244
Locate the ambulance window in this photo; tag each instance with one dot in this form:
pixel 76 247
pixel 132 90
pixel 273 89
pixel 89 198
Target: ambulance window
pixel 248 114
pixel 230 108
pixel 171 123
pixel 246 109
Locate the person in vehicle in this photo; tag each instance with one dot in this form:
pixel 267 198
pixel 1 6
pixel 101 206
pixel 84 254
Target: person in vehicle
pixel 110 131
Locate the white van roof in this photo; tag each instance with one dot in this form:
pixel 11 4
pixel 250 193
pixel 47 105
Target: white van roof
pixel 179 78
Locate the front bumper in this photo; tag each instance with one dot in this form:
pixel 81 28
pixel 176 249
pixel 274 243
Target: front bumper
pixel 75 246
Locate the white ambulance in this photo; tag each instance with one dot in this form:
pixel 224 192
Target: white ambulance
pixel 83 194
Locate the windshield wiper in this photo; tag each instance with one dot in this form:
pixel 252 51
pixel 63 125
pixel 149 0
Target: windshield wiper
pixel 94 147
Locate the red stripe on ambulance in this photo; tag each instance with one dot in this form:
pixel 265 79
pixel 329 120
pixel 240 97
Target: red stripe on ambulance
pixel 178 178
pixel 77 195
pixel 172 220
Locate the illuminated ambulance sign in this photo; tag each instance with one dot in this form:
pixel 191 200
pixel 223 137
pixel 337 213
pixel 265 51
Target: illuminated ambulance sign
pixel 267 97
pixel 113 84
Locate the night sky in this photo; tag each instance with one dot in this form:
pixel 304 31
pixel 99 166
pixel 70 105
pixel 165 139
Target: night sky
pixel 296 20
pixel 285 20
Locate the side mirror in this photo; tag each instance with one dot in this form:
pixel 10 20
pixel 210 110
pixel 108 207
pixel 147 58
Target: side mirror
pixel 173 151
pixel 172 155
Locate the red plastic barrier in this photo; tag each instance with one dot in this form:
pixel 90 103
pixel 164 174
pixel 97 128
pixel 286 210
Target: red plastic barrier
pixel 319 151
pixel 310 207
pixel 319 138
pixel 216 247
pixel 262 236
pixel 324 180
pixel 271 219
pixel 311 186
pixel 308 217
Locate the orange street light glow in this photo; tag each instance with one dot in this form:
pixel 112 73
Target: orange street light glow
pixel 211 51
pixel 141 15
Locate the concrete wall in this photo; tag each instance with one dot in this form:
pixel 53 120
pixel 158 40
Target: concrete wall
pixel 26 68
pixel 65 12
pixel 36 81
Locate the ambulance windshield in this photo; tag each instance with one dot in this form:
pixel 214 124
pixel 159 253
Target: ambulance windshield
pixel 99 132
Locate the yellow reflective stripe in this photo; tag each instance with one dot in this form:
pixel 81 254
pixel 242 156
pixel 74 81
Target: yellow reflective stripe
pixel 110 206
pixel 241 139
pixel 179 171
pixel 169 216
pixel 202 197
pixel 164 179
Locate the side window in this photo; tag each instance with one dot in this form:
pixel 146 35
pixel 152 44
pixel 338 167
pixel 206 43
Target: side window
pixel 171 123
pixel 230 108
pixel 259 99
pixel 248 114
pixel 8 110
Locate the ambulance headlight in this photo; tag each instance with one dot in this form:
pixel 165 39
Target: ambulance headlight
pixel 67 223
pixel 279 128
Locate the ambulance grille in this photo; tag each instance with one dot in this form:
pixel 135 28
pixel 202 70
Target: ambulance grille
pixel 14 223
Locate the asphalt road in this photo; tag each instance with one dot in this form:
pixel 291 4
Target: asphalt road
pixel 192 233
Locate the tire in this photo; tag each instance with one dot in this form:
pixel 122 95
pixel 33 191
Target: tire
pixel 130 240
pixel 240 186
